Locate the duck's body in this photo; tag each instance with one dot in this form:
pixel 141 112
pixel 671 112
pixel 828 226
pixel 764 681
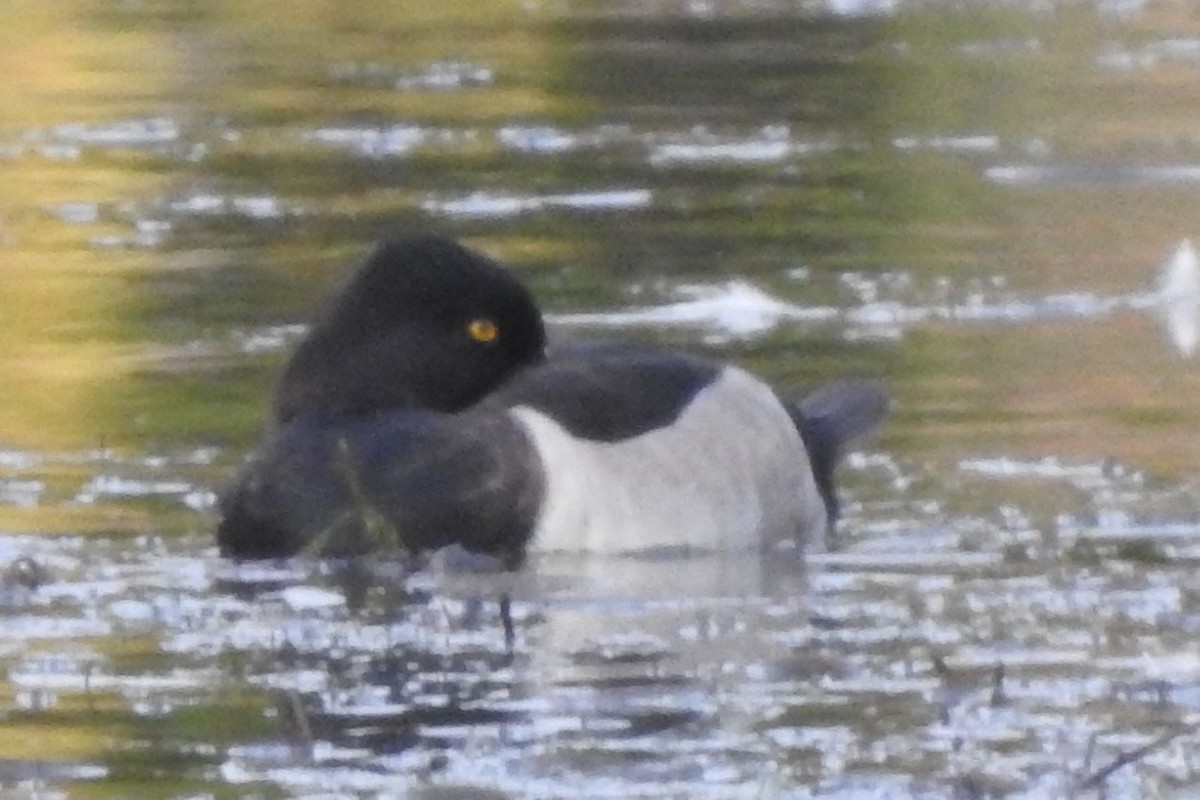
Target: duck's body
pixel 598 449
pixel 644 450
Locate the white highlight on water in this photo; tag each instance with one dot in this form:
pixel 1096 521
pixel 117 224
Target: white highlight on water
pixel 1178 298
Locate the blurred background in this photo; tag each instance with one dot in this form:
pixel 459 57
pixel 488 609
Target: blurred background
pixel 986 204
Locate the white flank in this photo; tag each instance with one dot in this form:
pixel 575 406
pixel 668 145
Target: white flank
pixel 730 473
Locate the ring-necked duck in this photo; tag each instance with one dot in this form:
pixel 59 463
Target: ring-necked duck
pixel 418 413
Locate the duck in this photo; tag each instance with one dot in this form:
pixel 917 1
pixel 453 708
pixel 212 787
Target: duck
pixel 424 409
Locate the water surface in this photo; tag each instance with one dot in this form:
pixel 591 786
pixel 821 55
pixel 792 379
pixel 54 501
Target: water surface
pixel 985 204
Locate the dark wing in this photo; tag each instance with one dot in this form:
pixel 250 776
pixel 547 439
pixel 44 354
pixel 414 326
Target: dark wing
pixel 608 392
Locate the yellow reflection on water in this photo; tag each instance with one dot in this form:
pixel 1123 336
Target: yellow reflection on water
pixel 62 340
pixel 58 63
pixel 59 354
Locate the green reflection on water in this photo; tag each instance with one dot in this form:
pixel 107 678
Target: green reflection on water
pixel 97 332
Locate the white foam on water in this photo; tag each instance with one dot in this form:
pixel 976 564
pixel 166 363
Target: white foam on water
pixel 390 141
pixel 974 143
pixel 308 597
pixel 439 76
pixel 107 485
pixel 206 204
pixel 1093 174
pixel 771 143
pixel 502 204
pixel 549 140
pixel 123 133
pixel 736 308
pixel 861 8
pixel 22 493
pixel 888 306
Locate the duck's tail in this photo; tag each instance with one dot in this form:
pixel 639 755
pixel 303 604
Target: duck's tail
pixel 831 419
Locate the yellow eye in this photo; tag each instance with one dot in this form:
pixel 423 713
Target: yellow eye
pixel 483 330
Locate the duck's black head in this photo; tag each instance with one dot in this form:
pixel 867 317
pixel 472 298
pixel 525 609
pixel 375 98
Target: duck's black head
pixel 422 323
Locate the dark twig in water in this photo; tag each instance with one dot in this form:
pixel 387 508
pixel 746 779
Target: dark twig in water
pixel 1087 778
pixel 510 634
pixel 294 723
pixel 998 698
pixel 1096 779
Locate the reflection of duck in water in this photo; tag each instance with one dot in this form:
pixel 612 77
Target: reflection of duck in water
pixel 419 412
